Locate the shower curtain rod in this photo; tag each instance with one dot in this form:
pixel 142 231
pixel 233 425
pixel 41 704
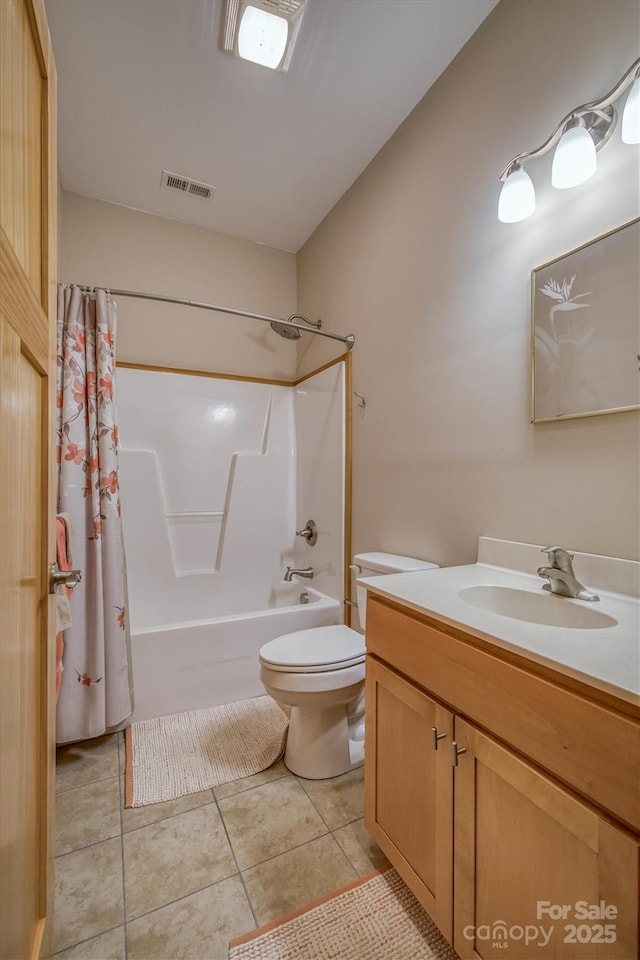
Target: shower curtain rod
pixel 349 340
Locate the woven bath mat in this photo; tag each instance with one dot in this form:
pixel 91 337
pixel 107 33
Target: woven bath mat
pixel 374 918
pixel 187 752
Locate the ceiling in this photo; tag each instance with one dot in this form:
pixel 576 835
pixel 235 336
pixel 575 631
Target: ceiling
pixel 144 86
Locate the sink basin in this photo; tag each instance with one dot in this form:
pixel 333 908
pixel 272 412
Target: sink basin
pixel 543 608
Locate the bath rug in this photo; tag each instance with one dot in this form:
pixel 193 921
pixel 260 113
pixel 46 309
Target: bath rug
pixel 374 918
pixel 169 757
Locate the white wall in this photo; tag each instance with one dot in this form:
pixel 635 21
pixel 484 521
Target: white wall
pixel 111 246
pixel 414 262
pixel 320 441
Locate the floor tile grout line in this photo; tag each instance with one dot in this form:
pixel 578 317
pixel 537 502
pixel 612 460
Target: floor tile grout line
pixel 92 843
pixel 239 874
pixel 86 846
pixel 328 832
pixel 348 858
pixel 346 824
pixel 314 806
pixel 356 872
pixel 208 803
pixel 199 889
pixel 170 816
pixel 254 786
pixel 102 840
pixel 295 780
pixel 323 834
pixel 317 808
pixel 87 783
pixel 93 936
pixel 185 896
pixel 235 859
pixel 252 866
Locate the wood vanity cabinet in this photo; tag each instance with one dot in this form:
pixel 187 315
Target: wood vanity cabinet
pixel 517 828
pixel 409 786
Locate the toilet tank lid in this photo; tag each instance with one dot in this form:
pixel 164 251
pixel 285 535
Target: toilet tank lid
pixel 391 563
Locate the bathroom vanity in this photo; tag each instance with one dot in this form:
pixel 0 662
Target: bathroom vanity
pixel 501 783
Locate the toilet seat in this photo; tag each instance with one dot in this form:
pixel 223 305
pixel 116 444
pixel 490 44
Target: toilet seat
pixel 315 650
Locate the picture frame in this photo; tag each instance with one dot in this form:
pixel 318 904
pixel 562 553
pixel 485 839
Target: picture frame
pixel 585 329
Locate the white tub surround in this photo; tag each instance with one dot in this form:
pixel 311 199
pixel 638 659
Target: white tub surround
pixel 319 412
pixel 606 657
pixel 209 489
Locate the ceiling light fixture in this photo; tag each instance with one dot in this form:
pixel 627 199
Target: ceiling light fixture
pixel 262 31
pixel 578 136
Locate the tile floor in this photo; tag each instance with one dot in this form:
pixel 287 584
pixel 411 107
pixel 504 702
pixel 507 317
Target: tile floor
pixel 180 879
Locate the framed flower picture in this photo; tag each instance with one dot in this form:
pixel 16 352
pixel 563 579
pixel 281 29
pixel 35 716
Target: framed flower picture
pixel 585 329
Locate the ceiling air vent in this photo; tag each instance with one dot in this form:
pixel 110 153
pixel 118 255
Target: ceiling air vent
pixel 172 181
pixel 285 7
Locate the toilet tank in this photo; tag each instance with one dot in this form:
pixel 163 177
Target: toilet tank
pixel 377 564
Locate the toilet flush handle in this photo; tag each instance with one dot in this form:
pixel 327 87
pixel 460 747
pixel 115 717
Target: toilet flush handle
pixel 357 570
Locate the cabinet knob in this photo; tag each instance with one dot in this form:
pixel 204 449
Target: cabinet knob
pixel 436 736
pixel 455 752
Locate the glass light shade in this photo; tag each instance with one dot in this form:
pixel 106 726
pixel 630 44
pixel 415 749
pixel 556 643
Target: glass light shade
pixel 262 37
pixel 517 198
pixel 574 160
pixel 631 115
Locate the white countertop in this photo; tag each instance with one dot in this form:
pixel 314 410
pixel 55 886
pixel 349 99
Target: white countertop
pixel 606 658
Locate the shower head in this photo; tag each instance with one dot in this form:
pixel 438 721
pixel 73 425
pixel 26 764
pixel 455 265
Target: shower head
pixel 284 330
pixel 291 331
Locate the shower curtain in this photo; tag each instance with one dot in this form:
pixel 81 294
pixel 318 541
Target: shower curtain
pixel 96 694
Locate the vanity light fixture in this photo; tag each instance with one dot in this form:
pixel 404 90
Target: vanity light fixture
pixel 574 161
pixel 262 31
pixel 631 115
pixel 576 138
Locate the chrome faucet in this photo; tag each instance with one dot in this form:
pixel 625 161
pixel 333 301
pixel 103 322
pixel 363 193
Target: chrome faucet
pixel 292 572
pixel 561 577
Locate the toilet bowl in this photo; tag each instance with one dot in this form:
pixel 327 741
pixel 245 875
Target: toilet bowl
pixel 319 675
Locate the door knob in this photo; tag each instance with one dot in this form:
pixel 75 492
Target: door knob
pixel 65 578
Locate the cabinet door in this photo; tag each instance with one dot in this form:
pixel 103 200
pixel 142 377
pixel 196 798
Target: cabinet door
pixel 538 873
pixel 409 787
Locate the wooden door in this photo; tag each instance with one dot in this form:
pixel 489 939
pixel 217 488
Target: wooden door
pixel 538 872
pixel 28 188
pixel 409 787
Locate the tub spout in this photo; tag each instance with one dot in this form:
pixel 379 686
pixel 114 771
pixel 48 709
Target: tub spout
pixel 292 572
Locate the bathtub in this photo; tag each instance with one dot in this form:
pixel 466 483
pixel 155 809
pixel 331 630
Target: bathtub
pixel 204 663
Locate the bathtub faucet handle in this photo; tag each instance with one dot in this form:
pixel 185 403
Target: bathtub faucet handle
pixel 309 532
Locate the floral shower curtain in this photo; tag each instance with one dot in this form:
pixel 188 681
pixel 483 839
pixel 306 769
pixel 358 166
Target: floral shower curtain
pixel 95 695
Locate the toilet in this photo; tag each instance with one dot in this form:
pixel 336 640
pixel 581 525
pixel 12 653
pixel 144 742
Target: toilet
pixel 319 674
